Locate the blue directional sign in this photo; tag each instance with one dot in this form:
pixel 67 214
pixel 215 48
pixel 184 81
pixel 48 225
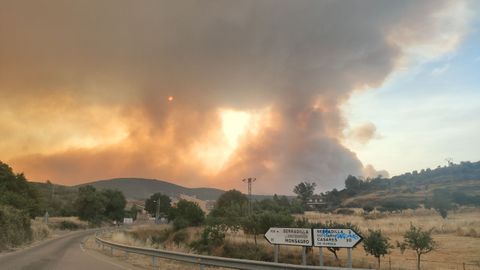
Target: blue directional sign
pixel 341 238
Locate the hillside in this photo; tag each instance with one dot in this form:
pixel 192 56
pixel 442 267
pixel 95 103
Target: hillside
pixel 140 188
pixel 458 183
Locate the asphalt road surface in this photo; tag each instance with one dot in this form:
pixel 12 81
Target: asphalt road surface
pixel 66 252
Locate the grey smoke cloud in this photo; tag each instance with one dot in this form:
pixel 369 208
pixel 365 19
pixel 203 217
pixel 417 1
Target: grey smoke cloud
pixel 302 58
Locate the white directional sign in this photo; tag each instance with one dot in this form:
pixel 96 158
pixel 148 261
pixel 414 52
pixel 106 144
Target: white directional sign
pixel 289 236
pixel 342 238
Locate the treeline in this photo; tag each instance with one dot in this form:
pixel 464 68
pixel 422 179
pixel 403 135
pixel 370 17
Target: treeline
pixel 408 183
pixel 234 212
pixel 21 201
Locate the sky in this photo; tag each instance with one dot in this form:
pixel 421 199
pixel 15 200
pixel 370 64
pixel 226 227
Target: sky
pixel 206 93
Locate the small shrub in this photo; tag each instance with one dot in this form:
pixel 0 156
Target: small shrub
pixel 68 225
pixel 180 237
pixel 345 211
pixel 472 233
pixel 180 223
pixel 211 237
pixel 161 236
pixel 367 209
pixel 14 227
pixel 40 231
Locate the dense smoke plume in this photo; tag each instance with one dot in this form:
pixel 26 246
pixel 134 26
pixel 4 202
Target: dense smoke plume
pixel 84 85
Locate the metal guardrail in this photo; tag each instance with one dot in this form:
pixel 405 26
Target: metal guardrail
pixel 204 260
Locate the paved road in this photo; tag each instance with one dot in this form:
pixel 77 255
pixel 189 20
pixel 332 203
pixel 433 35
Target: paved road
pixel 66 252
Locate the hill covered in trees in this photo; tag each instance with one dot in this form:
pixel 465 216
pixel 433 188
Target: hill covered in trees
pixel 456 184
pixel 140 188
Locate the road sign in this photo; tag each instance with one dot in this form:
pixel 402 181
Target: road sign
pixel 341 238
pixel 289 236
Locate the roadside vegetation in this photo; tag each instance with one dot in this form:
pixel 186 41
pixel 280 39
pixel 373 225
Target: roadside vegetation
pixel 24 205
pixel 439 218
pixel 19 202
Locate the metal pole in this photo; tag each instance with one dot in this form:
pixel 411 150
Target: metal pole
pixel 249 182
pixel 349 258
pixel 304 255
pixel 126 255
pixel 111 251
pixel 320 257
pixel 45 217
pixel 157 214
pixel 275 253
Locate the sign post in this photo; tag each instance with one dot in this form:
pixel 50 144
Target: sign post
pixel 290 236
pixel 339 238
pixel 321 256
pixel 349 251
pixel 275 253
pixel 304 255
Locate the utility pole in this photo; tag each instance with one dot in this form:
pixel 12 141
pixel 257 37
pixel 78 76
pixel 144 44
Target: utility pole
pixel 45 217
pixel 249 182
pixel 157 214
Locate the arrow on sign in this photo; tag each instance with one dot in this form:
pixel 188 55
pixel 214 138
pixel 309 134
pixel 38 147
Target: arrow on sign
pixel 289 236
pixel 341 238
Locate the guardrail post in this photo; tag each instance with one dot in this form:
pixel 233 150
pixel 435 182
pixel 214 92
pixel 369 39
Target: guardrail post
pixel 199 262
pixel 304 255
pixel 349 251
pixel 111 251
pixel 154 262
pixel 126 255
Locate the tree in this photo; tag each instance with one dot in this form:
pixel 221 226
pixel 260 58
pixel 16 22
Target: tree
pixel 418 240
pixel 304 191
pixel 441 202
pixel 152 202
pixel 251 225
pixel 90 205
pixel 186 214
pixel 229 210
pixel 17 192
pixel 134 211
pixel 115 204
pixel 376 244
pixel 353 185
pixel 232 197
pixel 259 223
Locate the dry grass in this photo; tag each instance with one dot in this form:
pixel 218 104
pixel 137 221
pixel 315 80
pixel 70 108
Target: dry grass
pixel 54 222
pixel 40 231
pixel 457 237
